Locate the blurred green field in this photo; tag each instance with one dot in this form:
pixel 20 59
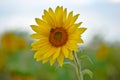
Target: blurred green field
pixel 17 62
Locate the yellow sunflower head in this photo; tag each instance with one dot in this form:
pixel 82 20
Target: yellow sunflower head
pixel 57 36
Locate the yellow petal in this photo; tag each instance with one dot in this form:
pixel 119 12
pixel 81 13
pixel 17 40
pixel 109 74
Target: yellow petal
pixel 70 56
pixel 41 41
pixel 45 60
pixel 52 14
pixel 59 16
pixel 75 18
pixel 48 18
pixel 38 21
pixel 38 53
pixel 70 15
pixel 52 61
pixel 74 36
pixel 80 40
pixel 75 41
pixel 64 15
pixel 73 28
pixel 35 28
pixel 60 60
pixel 71 20
pixel 37 47
pixel 39 59
pixel 57 53
pixel 41 33
pixel 65 51
pixel 43 56
pixel 80 30
pixel 41 51
pixel 49 53
pixel 38 36
pixel 43 25
pixel 72 46
pixel 77 34
pixel 57 9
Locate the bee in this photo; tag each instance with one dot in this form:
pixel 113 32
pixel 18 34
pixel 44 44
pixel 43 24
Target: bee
pixel 51 30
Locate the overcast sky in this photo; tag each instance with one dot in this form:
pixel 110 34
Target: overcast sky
pixel 99 16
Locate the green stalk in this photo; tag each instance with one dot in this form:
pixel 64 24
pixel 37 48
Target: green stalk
pixel 78 67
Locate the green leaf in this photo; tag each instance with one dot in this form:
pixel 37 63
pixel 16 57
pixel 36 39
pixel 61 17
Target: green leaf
pixel 85 57
pixel 69 63
pixel 66 63
pixel 88 72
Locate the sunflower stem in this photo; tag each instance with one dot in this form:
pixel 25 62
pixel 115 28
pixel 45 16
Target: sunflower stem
pixel 78 67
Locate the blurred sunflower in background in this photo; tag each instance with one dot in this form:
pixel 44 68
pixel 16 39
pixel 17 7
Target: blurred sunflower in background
pixel 57 36
pixel 9 42
pixel 21 77
pixel 22 43
pixel 2 59
pixel 102 52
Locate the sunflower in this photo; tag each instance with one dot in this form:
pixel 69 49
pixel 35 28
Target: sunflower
pixel 57 36
pixel 9 42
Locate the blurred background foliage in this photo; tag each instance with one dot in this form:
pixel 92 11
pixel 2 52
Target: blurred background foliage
pixel 17 62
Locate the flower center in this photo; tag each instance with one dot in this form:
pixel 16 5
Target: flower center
pixel 58 37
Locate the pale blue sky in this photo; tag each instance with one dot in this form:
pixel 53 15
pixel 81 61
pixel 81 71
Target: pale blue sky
pixel 99 16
